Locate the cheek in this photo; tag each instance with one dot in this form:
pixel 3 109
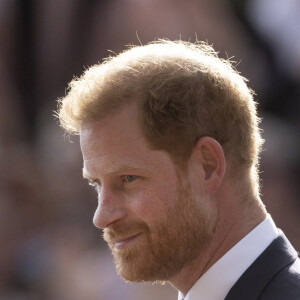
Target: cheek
pixel 198 192
pixel 151 204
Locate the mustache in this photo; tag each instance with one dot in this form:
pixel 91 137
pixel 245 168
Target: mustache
pixel 121 230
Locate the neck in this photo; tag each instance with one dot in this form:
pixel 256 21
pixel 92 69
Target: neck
pixel 230 229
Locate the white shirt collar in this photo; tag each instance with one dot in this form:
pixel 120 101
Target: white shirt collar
pixel 220 278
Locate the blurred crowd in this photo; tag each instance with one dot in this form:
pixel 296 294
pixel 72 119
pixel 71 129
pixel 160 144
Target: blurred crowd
pixel 49 247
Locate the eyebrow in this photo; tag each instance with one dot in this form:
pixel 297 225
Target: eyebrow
pixel 114 170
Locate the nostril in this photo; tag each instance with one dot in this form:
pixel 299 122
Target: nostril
pixel 105 216
pixel 96 219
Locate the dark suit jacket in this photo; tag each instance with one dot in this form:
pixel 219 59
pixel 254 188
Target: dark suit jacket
pixel 274 275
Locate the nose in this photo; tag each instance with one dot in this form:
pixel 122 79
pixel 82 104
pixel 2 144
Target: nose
pixel 109 210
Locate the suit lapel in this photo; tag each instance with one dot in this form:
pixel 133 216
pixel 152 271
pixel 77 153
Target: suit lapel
pixel 279 254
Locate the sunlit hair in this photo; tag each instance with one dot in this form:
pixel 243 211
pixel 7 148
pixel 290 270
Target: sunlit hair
pixel 184 92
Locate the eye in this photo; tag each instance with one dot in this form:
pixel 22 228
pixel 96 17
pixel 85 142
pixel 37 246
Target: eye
pixel 129 178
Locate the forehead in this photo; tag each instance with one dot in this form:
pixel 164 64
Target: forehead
pixel 119 131
pixel 118 142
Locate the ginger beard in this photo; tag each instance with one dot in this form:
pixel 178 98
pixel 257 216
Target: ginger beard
pixel 165 246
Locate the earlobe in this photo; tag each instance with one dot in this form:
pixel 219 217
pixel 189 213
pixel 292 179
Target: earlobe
pixel 212 160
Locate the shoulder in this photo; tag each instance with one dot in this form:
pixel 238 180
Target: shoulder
pixel 275 275
pixel 285 284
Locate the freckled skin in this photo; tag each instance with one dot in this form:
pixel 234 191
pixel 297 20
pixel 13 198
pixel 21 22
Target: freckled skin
pixel 155 205
pixel 110 151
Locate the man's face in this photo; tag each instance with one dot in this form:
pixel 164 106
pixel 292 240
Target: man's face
pixel 154 219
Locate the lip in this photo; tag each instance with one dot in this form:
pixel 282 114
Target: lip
pixel 124 242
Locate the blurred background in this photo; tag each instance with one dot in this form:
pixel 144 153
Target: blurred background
pixel 49 247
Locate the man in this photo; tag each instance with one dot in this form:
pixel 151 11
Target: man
pixel 170 140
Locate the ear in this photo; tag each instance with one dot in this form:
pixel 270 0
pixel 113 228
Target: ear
pixel 210 157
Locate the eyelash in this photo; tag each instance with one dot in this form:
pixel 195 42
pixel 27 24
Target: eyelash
pixel 125 179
